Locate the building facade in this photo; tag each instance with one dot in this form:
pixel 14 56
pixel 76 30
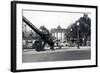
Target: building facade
pixel 58 33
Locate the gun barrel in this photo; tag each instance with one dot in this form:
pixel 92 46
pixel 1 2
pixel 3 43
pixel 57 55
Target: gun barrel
pixel 50 43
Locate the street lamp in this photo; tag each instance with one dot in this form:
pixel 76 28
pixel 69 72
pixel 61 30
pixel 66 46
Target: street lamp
pixel 71 33
pixel 71 29
pixel 71 36
pixel 25 30
pixel 78 46
pixel 26 36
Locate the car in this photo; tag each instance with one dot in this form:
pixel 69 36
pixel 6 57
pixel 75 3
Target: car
pixel 65 44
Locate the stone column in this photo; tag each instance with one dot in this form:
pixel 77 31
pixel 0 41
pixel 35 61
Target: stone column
pixel 54 34
pixel 57 35
pixel 61 35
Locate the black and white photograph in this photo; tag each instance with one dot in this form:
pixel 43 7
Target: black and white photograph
pixel 54 36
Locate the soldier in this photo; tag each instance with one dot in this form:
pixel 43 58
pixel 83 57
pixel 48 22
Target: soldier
pixel 46 33
pixel 38 45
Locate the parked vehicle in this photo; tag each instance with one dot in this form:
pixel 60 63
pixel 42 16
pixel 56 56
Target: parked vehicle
pixel 65 44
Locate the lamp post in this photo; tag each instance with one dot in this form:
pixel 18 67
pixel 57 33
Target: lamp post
pixel 71 29
pixel 78 43
pixel 26 36
pixel 71 36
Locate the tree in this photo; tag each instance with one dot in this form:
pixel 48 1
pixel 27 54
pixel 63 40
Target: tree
pixel 85 25
pixel 84 29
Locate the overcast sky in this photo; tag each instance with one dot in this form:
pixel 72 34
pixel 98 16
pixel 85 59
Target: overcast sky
pixel 52 19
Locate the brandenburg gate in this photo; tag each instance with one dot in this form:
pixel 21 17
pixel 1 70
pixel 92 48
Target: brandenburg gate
pixel 58 33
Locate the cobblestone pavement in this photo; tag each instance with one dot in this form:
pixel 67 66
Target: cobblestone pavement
pixel 65 53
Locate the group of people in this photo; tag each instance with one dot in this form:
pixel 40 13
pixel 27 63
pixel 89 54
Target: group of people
pixel 43 40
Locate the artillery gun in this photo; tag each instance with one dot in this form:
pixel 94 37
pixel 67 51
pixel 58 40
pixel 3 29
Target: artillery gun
pixel 43 36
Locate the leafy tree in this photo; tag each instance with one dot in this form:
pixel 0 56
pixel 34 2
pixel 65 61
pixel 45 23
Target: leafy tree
pixel 84 29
